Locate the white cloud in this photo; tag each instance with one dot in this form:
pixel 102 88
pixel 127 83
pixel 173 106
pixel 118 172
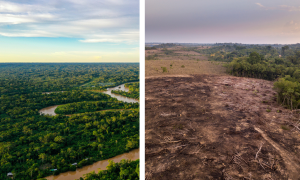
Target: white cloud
pixel 260 5
pixel 281 7
pixel 10 7
pixel 90 20
pixel 28 34
pixel 264 7
pixel 126 36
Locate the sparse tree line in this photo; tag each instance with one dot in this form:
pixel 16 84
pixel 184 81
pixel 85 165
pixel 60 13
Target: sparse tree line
pixel 285 70
pixel 166 45
pixel 134 90
pixel 150 48
pixel 228 52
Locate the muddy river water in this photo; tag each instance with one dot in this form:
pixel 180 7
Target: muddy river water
pixel 132 155
pixel 71 175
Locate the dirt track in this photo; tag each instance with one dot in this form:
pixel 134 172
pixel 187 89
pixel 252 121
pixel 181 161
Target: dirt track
pixel 218 127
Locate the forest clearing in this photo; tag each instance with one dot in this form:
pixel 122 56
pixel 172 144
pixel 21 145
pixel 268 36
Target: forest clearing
pixel 209 125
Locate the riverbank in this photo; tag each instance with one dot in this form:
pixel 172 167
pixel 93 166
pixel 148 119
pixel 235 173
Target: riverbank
pixel 100 165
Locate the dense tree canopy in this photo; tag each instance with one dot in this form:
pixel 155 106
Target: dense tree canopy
pixel 90 106
pixel 32 144
pixel 43 77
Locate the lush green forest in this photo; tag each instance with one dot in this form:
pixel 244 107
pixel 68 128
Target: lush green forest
pixel 32 144
pixel 90 106
pixel 134 90
pixel 125 169
pixel 18 78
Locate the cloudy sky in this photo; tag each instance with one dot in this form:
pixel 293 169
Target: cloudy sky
pixel 69 30
pixel 211 21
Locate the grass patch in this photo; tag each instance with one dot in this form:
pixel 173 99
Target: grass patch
pixel 164 69
pixel 284 127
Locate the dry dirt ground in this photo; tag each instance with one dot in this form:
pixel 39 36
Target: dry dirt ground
pixel 153 67
pixel 178 54
pixel 218 127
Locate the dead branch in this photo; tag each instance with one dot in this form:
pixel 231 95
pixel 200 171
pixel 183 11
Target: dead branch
pixel 256 157
pixel 170 142
pixel 192 126
pixel 179 146
pixel 258 151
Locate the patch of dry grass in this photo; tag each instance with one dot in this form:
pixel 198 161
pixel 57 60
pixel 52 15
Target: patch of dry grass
pixel 175 67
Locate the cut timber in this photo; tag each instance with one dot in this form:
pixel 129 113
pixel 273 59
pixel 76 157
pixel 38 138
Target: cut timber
pixel 292 166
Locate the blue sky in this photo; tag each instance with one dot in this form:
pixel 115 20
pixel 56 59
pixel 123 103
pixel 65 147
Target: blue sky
pixel 69 31
pixel 211 21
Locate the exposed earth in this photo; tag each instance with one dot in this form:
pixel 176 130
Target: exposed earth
pixel 218 127
pixel 176 53
pixel 154 67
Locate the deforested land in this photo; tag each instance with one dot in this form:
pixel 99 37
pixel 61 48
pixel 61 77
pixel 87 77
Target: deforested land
pixel 222 111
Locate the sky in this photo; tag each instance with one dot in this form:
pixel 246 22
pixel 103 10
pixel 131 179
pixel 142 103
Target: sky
pixel 220 21
pixel 69 31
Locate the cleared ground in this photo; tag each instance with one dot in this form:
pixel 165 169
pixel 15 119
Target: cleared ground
pixel 153 67
pixel 181 61
pixel 218 127
pixel 175 53
pixel 204 124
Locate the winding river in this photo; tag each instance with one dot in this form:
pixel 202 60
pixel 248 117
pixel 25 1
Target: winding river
pixel 50 110
pixel 132 155
pixel 71 175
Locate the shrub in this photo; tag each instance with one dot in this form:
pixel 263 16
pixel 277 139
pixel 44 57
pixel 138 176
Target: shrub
pixel 164 69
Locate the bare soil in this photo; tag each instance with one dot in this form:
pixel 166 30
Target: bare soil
pixel 178 54
pixel 218 127
pixel 153 67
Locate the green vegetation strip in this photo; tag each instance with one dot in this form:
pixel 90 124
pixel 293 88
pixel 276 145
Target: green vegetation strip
pixel 126 169
pixel 270 62
pixel 16 78
pixel 91 106
pixel 134 90
pixel 286 69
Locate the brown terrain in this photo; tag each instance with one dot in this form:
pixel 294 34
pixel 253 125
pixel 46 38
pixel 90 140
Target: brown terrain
pixel 214 126
pixel 178 54
pixel 154 67
pixel 181 63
